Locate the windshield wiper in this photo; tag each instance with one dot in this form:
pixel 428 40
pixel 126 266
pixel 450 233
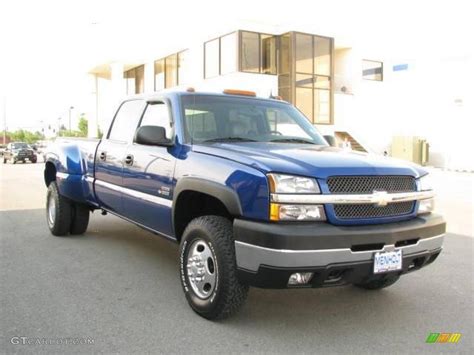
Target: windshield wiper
pixel 229 139
pixel 292 140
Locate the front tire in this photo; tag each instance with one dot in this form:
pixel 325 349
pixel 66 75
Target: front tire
pixel 379 283
pixel 58 211
pixel 208 268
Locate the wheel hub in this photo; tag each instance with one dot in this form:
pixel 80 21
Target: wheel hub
pixel 51 209
pixel 201 269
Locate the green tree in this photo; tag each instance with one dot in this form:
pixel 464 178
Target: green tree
pixel 83 126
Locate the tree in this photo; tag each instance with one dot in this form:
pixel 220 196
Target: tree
pixel 83 126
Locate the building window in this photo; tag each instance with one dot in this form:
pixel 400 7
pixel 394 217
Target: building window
pixel 183 68
pixel 257 53
pixel 313 76
pixel 228 57
pixel 372 70
pixel 171 71
pixel 135 80
pixel 211 58
pixel 220 56
pixel 159 74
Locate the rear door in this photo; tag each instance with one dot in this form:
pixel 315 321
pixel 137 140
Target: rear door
pixel 110 155
pixel 148 175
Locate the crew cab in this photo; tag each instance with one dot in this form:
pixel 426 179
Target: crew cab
pixel 252 193
pixel 19 151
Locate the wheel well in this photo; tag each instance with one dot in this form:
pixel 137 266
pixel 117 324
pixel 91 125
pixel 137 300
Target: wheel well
pixel 49 173
pixel 193 204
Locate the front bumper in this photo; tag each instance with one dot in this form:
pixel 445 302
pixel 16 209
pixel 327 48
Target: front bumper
pixel 268 253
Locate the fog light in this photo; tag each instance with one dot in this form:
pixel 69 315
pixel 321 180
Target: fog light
pixel 426 206
pixel 300 278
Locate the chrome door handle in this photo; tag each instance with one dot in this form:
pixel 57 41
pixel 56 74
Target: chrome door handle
pixel 103 156
pixel 128 160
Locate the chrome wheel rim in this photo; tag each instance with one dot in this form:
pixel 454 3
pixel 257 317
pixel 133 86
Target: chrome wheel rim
pixel 201 269
pixel 51 210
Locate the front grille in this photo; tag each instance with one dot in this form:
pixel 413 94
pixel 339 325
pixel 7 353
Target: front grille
pixel 369 184
pixel 357 211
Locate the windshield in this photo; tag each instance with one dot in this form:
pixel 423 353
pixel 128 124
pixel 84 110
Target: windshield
pixel 211 119
pixel 19 145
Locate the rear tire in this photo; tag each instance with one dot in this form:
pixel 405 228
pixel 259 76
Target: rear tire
pixel 378 284
pixel 80 219
pixel 58 211
pixel 208 268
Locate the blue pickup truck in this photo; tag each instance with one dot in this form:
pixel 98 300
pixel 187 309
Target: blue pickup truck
pixel 251 192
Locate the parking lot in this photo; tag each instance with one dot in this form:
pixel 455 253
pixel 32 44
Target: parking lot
pixel 118 285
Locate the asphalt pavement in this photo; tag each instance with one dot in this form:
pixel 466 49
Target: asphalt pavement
pixel 116 290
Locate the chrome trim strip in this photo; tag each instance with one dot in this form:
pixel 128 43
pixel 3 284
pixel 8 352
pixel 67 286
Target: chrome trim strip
pixel 62 175
pixel 137 194
pixel 250 257
pixel 377 198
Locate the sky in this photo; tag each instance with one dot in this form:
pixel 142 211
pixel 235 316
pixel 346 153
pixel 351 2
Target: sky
pixel 48 46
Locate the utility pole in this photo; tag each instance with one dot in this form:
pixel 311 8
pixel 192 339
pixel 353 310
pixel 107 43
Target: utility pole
pixel 70 108
pixel 4 120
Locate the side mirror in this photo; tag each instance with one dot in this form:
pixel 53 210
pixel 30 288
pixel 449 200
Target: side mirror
pixel 152 135
pixel 331 140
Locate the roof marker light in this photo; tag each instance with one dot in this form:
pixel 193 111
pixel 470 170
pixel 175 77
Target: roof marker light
pixel 239 92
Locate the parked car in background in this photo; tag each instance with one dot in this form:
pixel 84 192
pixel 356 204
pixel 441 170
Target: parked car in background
pixel 2 149
pixel 19 151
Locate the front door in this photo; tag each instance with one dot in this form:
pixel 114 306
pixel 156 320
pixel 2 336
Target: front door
pixel 110 155
pixel 148 175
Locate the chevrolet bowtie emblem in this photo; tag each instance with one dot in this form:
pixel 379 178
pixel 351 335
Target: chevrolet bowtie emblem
pixel 381 198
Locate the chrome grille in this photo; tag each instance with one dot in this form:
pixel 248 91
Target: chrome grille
pixel 370 211
pixel 369 184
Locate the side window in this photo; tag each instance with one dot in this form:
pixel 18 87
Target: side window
pixel 126 120
pixel 157 114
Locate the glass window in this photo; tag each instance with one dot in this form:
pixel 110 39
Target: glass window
pixel 159 74
pixel 212 118
pixel 211 58
pixel 140 79
pixel 250 52
pixel 268 51
pixel 304 53
pixel 126 120
pixel 130 81
pixel 322 106
pixel 285 54
pixel 183 67
pixel 229 53
pixel 372 70
pixel 200 124
pixel 157 114
pixel 322 55
pixel 304 101
pixel 171 70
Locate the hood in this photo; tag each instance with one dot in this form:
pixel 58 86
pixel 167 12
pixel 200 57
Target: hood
pixel 308 160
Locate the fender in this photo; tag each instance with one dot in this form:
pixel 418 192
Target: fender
pixel 225 194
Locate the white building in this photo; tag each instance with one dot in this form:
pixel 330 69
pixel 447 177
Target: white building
pixel 347 88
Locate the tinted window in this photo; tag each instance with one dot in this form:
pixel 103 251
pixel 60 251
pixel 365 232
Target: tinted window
pixel 126 120
pixel 157 114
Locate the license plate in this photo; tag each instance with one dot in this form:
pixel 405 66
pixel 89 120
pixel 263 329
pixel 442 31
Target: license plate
pixel 387 261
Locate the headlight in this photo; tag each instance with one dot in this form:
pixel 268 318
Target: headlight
pixel 283 212
pixel 288 184
pixel 425 183
pixel 426 206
